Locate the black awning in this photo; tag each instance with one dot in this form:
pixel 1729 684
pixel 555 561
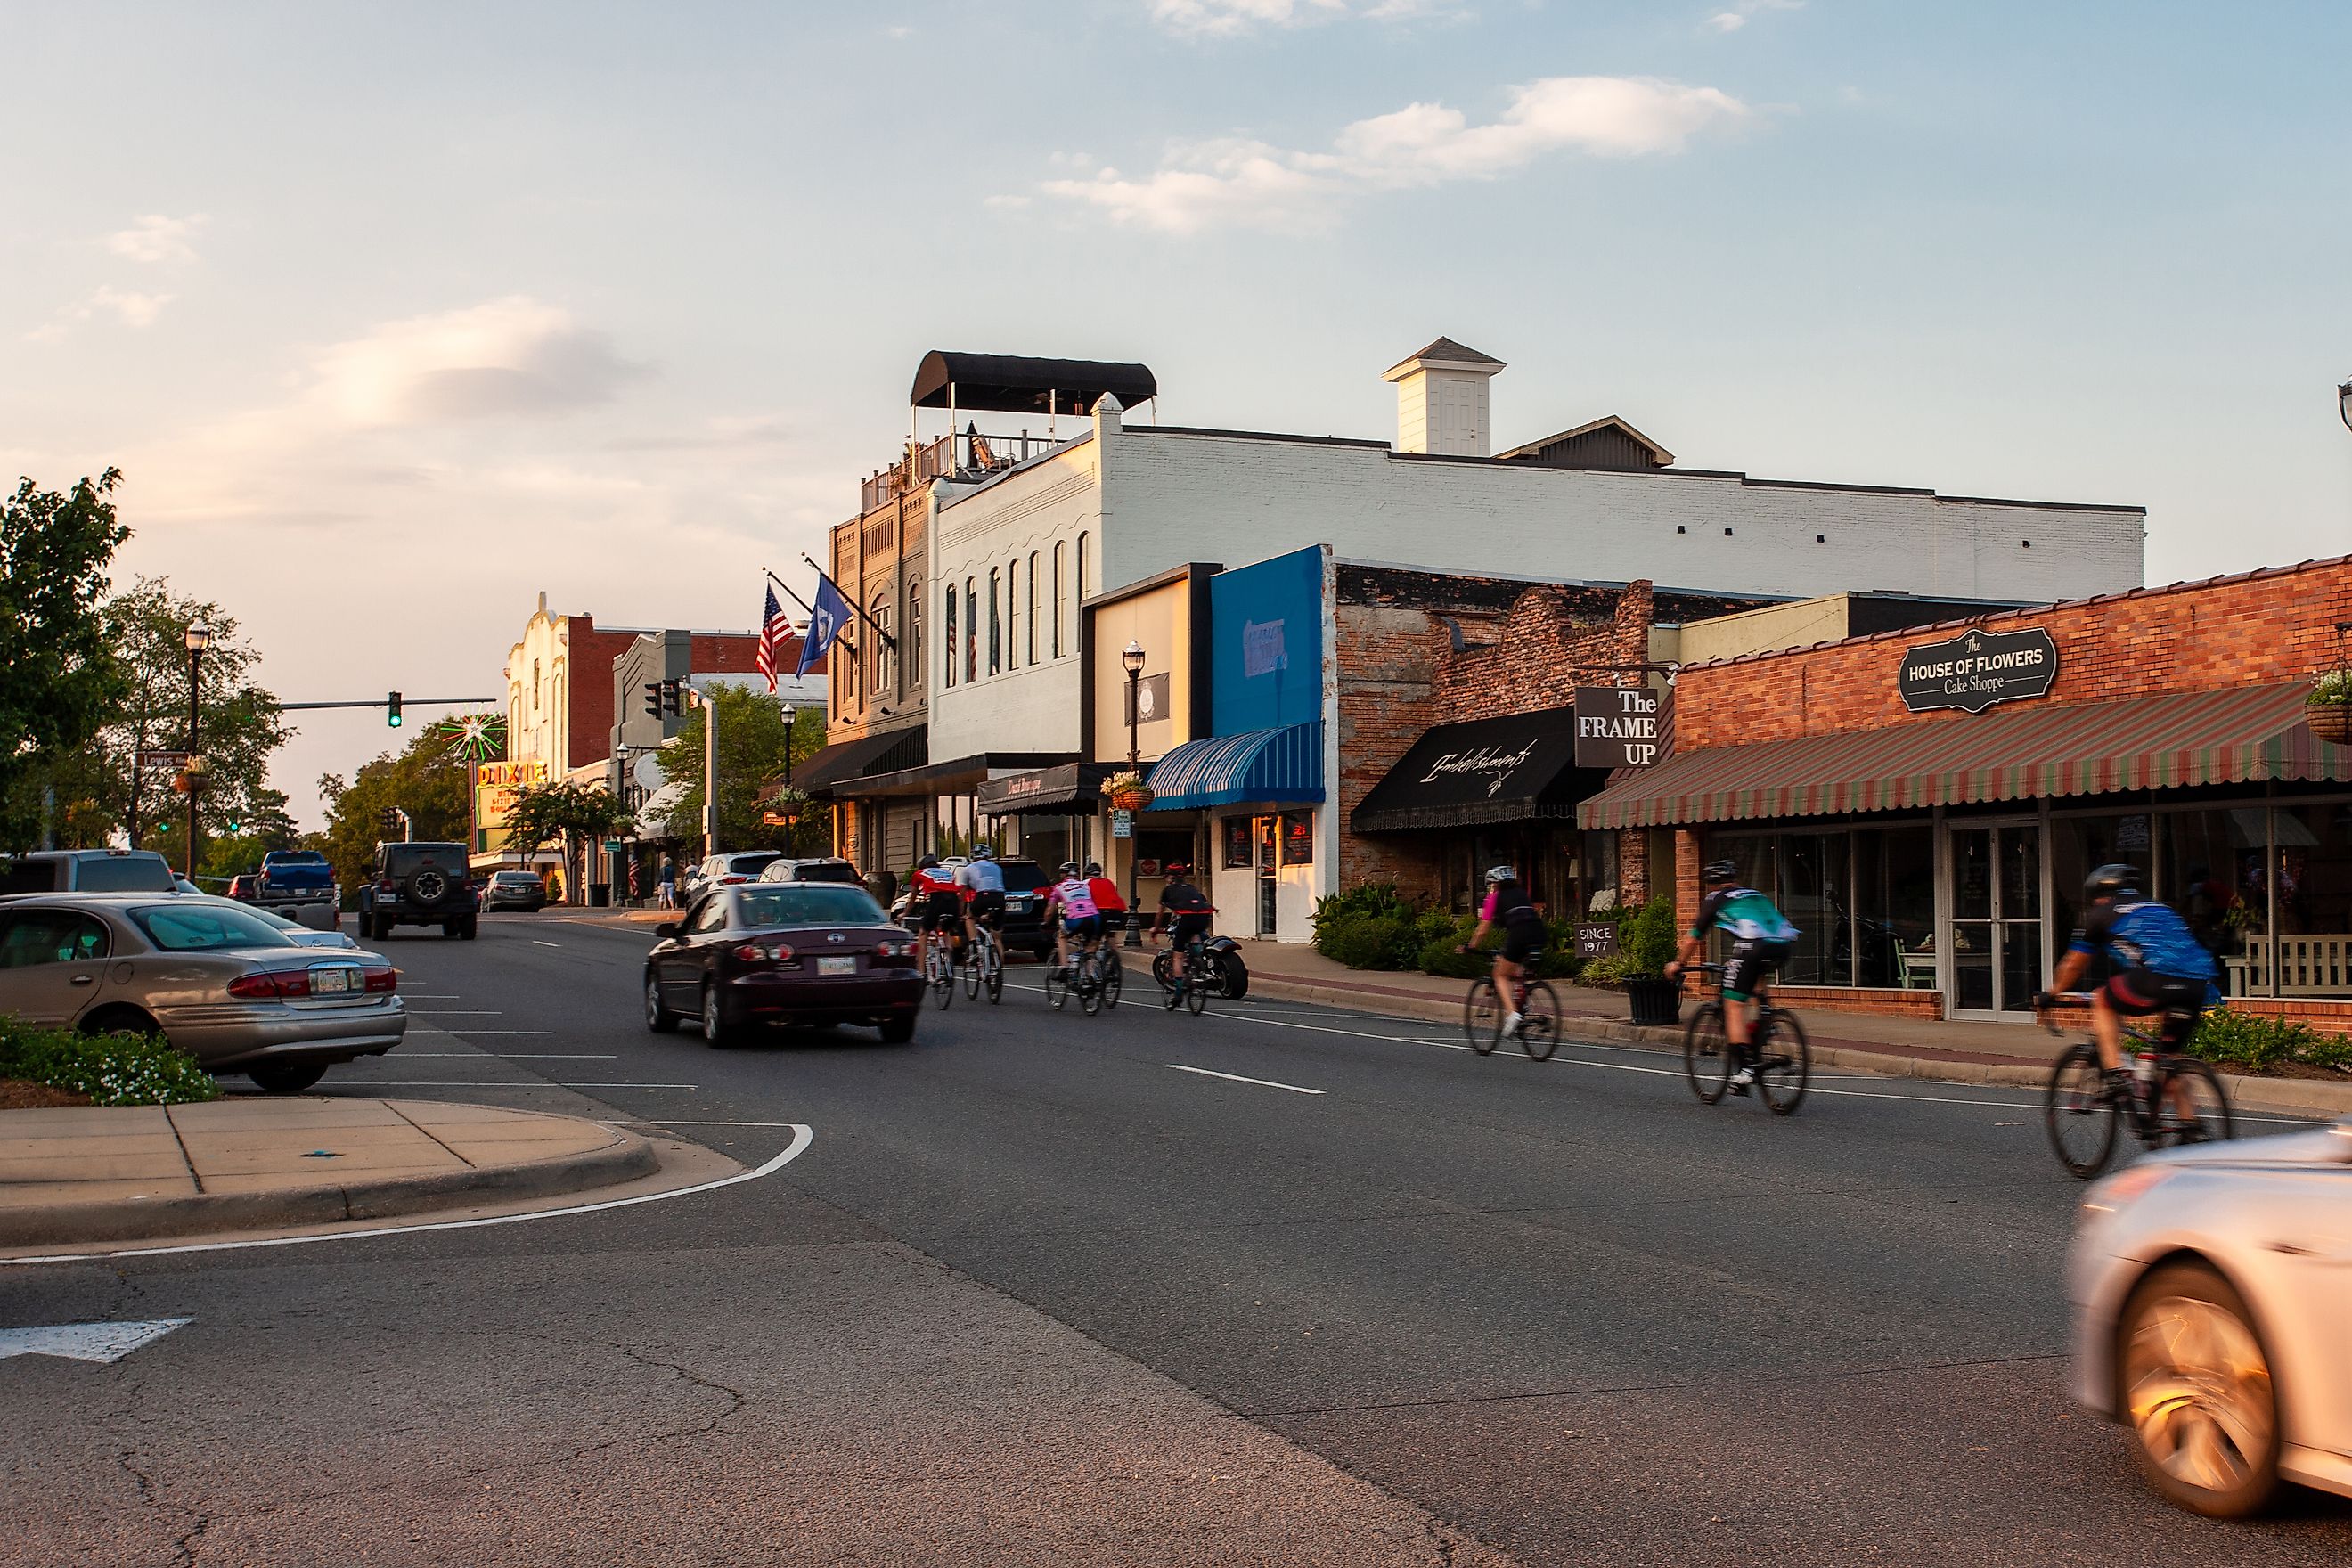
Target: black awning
pixel 1071 789
pixel 1008 384
pixel 1520 767
pixel 867 754
pixel 957 776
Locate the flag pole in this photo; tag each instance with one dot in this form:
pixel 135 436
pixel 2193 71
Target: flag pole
pixel 855 608
pixel 787 587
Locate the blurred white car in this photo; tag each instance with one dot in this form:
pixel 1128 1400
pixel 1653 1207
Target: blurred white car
pixel 2212 1314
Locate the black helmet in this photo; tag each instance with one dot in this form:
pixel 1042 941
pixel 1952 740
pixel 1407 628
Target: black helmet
pixel 1094 868
pixel 2117 881
pixel 928 863
pixel 1715 872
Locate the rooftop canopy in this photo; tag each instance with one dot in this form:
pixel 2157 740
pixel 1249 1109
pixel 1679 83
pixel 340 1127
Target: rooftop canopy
pixel 1008 384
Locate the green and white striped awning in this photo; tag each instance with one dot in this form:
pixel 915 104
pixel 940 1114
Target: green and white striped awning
pixel 2244 734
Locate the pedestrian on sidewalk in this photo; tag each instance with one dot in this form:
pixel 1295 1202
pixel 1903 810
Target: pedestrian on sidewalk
pixel 668 883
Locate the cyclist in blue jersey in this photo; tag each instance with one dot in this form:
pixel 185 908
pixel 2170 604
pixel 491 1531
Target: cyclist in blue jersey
pixel 2154 964
pixel 980 880
pixel 1761 940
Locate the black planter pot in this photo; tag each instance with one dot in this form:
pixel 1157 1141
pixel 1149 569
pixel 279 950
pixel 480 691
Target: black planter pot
pixel 1658 1002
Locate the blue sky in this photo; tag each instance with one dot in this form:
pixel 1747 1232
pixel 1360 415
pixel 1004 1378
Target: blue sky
pixel 619 302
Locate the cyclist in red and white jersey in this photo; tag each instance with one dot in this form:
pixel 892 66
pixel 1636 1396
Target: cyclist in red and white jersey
pixel 1072 904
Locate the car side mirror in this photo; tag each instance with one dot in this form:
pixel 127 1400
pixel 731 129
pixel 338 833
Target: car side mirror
pixel 666 929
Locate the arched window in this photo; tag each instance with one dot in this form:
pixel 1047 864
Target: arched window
pixel 878 612
pixel 915 630
pixel 1031 619
pixel 535 683
pixel 1082 569
pixel 1061 589
pixel 971 629
pixel 948 673
pixel 1013 613
pixel 996 640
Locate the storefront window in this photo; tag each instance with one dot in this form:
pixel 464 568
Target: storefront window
pixel 1299 839
pixel 1813 894
pixel 2314 899
pixel 1600 867
pixel 1895 907
pixel 1236 831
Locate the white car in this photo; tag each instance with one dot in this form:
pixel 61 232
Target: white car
pixel 2212 1314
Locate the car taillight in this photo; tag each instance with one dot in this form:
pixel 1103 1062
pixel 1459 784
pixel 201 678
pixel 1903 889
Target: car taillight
pixel 762 953
pixel 383 979
pixel 271 983
pixel 387 886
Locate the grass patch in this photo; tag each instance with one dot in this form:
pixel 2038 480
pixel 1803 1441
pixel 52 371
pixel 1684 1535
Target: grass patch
pixel 111 1069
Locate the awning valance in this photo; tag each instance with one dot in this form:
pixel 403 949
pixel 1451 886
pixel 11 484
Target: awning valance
pixel 1012 383
pixel 2237 735
pixel 1519 767
pixel 1275 767
pixel 885 753
pixel 1070 788
pixel 652 818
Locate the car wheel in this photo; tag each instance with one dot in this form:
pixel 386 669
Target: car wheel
pixel 715 1030
pixel 898 1030
pixel 470 927
pixel 289 1078
pixel 119 1021
pixel 2194 1383
pixel 658 1018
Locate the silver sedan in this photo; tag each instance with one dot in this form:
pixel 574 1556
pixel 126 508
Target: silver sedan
pixel 214 978
pixel 2212 1314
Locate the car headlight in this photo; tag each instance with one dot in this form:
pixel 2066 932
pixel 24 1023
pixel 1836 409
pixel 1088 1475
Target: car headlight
pixel 2125 1187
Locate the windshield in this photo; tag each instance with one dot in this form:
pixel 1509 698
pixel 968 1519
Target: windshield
pixel 826 871
pixel 515 879
pixel 123 874
pixel 293 858
pixel 745 865
pixel 1022 876
pixel 808 904
pixel 403 859
pixel 203 928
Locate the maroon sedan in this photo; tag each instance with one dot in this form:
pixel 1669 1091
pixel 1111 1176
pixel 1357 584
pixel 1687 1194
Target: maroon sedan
pixel 783 952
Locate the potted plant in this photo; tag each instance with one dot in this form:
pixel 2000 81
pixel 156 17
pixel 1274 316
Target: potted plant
pixel 1126 791
pixel 1645 945
pixel 2328 709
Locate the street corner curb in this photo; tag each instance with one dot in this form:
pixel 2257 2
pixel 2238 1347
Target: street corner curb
pixel 625 1157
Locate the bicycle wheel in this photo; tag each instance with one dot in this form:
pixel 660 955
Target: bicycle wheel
pixel 1163 968
pixel 1539 1023
pixel 1087 984
pixel 2195 1107
pixel 2080 1112
pixel 1113 976
pixel 1200 976
pixel 971 974
pixel 1706 1053
pixel 1057 988
pixel 1784 1062
pixel 995 973
pixel 942 968
pixel 1482 1015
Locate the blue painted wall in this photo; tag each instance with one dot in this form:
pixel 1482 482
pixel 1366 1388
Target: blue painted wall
pixel 1266 634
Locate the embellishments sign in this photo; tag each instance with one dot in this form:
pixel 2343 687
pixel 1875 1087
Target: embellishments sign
pixel 1976 669
pixel 1493 765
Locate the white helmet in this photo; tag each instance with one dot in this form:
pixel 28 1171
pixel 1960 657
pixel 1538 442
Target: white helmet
pixel 1501 874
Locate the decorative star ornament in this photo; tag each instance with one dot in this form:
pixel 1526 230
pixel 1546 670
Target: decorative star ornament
pixel 477 737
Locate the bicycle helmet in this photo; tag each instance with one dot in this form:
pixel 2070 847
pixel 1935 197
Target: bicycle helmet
pixel 1069 867
pixel 1094 869
pixel 928 863
pixel 982 852
pixel 2117 881
pixel 1501 874
pixel 1716 872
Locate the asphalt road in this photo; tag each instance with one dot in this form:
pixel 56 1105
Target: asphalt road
pixel 1042 1288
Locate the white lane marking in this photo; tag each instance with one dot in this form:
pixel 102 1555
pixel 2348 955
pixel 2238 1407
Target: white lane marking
pixel 373 1084
pixel 1236 1078
pixel 537 942
pixel 429 995
pixel 100 1343
pixel 447 1030
pixel 673 1121
pixel 456 1013
pixel 506 1057
pixel 802 1136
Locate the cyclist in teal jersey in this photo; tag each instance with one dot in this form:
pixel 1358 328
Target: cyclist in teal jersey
pixel 1761 940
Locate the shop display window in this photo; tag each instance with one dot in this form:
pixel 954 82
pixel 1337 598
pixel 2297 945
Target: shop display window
pixel 1238 853
pixel 1299 839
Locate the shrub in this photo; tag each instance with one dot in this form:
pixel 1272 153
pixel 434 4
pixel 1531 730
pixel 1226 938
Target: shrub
pixel 1442 933
pixel 1646 940
pixel 1372 900
pixel 1370 941
pixel 2254 1042
pixel 112 1069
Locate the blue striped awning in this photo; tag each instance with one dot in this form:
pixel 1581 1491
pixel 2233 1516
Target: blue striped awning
pixel 1272 766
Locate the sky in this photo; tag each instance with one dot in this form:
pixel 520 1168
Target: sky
pixel 394 315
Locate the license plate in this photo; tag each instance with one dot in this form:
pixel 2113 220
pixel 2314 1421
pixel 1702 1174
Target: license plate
pixel 333 982
pixel 844 964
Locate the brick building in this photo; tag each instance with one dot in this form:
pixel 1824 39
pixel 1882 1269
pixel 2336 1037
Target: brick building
pixel 1926 804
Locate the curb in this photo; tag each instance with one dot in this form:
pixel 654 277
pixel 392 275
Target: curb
pixel 627 1158
pixel 2293 1097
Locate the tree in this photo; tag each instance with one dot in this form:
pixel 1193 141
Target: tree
pixel 422 779
pixel 751 749
pixel 238 726
pixel 573 814
pixel 59 673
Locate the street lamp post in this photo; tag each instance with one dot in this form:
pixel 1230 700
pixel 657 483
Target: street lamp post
pixel 1132 657
pixel 199 638
pixel 2344 401
pixel 700 699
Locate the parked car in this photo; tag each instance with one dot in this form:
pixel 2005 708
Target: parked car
pixel 87 871
pixel 515 890
pixel 421 884
pixel 2210 1299
pixel 300 885
pixel 728 870
pixel 240 888
pixel 825 869
pixel 813 952
pixel 218 980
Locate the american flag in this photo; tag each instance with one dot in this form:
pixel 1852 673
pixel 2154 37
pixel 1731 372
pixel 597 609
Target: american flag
pixel 775 631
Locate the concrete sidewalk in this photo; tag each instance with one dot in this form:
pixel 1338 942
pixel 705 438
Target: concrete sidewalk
pixel 90 1173
pixel 2008 1054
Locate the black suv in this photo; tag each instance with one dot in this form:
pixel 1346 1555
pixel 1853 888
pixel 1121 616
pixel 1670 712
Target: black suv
pixel 418 884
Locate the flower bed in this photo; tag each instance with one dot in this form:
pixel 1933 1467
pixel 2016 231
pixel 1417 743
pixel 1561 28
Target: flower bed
pixel 110 1070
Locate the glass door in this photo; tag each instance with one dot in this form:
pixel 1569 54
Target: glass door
pixel 1996 946
pixel 1267 832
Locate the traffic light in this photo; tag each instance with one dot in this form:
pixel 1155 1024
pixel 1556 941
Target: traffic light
pixel 392 710
pixel 673 698
pixel 388 820
pixel 654 690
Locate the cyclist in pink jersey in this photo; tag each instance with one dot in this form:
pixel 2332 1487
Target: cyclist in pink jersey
pixel 1080 917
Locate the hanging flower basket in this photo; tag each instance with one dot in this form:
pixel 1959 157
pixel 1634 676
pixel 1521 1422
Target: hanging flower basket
pixel 2328 709
pixel 1126 792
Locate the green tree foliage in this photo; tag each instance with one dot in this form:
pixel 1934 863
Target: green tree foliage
pixel 565 813
pixel 752 748
pixel 60 672
pixel 422 779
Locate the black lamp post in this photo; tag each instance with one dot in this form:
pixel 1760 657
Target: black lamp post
pixel 793 832
pixel 199 638
pixel 1133 659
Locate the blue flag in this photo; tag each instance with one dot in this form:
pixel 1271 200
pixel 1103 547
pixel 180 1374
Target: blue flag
pixel 830 612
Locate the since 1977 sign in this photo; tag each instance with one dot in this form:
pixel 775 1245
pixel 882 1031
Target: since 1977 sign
pixel 1976 669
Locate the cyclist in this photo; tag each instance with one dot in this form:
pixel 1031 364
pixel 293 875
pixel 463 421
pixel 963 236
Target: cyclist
pixel 980 881
pixel 2154 964
pixel 1761 940
pixel 1184 912
pixel 1106 895
pixel 1508 907
pixel 937 904
pixel 1078 920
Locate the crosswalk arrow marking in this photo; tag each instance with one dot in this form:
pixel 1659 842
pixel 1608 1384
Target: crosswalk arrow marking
pixel 100 1343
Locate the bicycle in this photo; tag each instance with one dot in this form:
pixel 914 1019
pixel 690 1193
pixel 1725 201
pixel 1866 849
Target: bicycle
pixel 983 964
pixel 1096 978
pixel 1538 1010
pixel 1203 974
pixel 1777 1052
pixel 2161 1095
pixel 938 968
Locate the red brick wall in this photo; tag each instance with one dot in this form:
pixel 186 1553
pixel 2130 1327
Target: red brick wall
pixel 2330 1017
pixel 2252 629
pixel 589 655
pixel 1387 661
pixel 1883 1002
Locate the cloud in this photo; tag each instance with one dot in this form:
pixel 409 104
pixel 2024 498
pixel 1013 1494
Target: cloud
pixel 1233 181
pixel 1229 18
pixel 131 309
pixel 1742 11
pixel 507 357
pixel 155 238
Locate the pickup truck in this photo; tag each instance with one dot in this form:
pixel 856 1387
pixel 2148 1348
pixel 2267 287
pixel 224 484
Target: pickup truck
pixel 299 884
